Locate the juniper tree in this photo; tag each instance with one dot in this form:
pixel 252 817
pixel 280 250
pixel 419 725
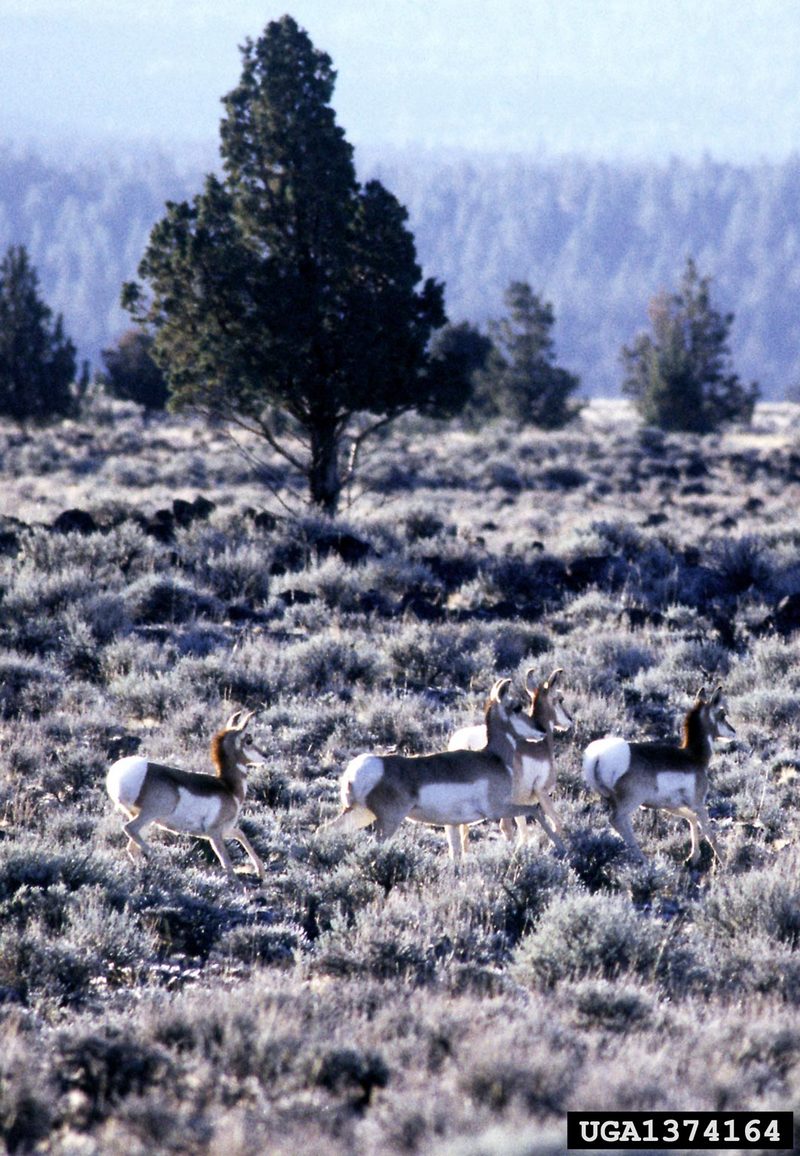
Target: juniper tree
pixel 521 379
pixel 286 297
pixel 132 374
pixel 679 376
pixel 37 360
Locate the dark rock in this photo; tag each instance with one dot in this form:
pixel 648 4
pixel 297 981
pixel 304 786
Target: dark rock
pixel 350 548
pixel 421 607
pixel 10 529
pixel 238 612
pixel 118 746
pixel 296 597
pixel 588 570
pixel 185 512
pixel 74 522
pixel 161 526
pixel 264 521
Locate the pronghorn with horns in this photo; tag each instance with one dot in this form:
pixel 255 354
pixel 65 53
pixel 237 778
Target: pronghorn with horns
pixel 661 776
pixel 534 765
pixel 189 802
pixel 446 789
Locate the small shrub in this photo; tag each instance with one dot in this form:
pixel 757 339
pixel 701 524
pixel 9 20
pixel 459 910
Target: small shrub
pixel 349 1070
pixel 583 936
pixel 155 599
pixel 615 1007
pixel 29 687
pixel 107 1068
pixel 268 944
pixel 525 890
pixel 594 856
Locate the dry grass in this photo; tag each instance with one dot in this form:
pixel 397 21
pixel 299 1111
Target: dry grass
pixel 366 998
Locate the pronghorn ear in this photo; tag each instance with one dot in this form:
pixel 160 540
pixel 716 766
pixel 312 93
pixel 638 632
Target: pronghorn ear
pixel 530 683
pixel 717 695
pixel 548 684
pixel 233 722
pixel 700 697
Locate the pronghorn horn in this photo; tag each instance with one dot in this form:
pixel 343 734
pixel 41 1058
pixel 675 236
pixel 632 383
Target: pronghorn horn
pixel 530 684
pixel 233 721
pixel 547 685
pixel 246 716
pixel 499 689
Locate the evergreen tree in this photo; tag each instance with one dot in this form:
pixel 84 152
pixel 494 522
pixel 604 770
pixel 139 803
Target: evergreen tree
pixel 37 361
pixel 285 297
pixel 458 353
pixel 132 374
pixel 679 376
pixel 521 379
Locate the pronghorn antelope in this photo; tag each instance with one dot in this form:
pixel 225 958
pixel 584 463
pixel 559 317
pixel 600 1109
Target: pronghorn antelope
pixel 187 802
pixel 444 789
pixel 534 765
pixel 662 776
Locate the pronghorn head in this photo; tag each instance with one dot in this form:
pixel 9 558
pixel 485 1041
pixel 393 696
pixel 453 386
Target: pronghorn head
pixel 504 727
pixel 710 716
pixel 547 702
pixel 718 713
pixel 234 746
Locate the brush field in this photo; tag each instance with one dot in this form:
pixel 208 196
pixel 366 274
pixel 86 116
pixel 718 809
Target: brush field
pixel 369 998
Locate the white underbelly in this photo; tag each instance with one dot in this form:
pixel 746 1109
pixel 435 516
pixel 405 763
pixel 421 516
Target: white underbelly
pixel 192 815
pixel 445 803
pixel 673 789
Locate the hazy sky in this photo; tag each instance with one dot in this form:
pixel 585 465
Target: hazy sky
pixel 609 77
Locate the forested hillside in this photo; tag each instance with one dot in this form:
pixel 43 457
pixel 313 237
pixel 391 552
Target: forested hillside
pixel 598 240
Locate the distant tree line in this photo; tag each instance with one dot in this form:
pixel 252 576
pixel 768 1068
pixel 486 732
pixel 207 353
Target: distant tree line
pixel 286 298
pixel 596 240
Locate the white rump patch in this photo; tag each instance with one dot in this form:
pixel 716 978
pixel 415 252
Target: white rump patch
pixel 360 776
pixel 605 761
pixel 675 788
pixel 452 803
pixel 124 780
pixel 468 738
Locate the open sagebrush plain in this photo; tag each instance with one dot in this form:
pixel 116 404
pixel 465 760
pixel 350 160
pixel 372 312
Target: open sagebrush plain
pixel 368 998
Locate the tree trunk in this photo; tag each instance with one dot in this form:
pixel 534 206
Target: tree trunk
pixel 324 480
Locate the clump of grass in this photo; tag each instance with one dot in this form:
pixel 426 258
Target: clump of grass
pixel 268 944
pixel 614 1007
pixel 586 936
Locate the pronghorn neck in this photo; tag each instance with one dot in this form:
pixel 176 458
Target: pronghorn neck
pixel 228 761
pixel 502 739
pixel 697 733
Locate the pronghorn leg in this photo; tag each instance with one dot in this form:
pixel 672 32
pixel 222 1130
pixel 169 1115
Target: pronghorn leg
pixel 351 819
pixel 557 832
pixel 464 834
pixel 508 827
pixel 694 829
pixel 456 839
pixel 621 822
pixel 387 823
pixel 241 838
pixel 136 844
pixel 221 851
pixel 700 824
pixel 705 827
pixel 521 823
